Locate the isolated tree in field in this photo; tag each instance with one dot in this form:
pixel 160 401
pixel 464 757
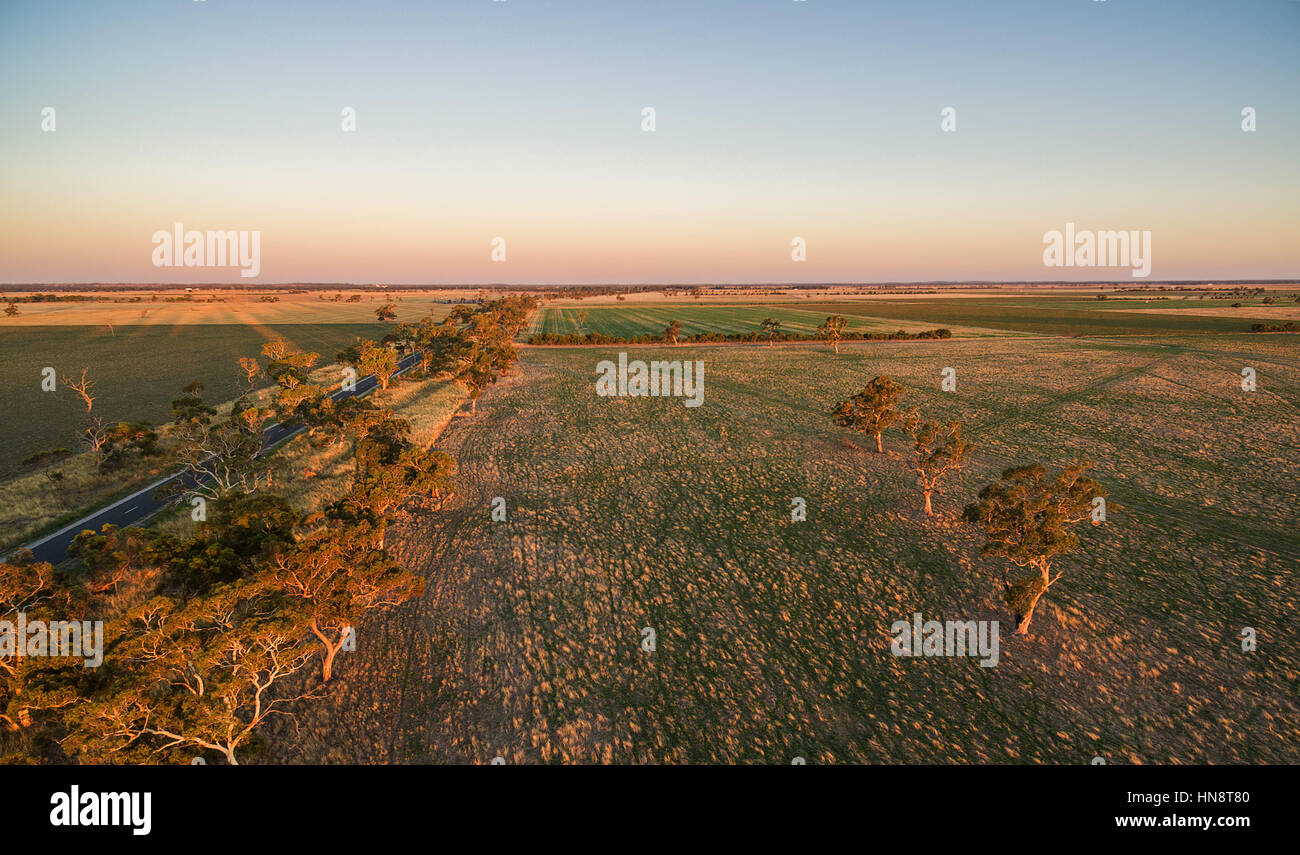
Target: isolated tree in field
pixel 1026 516
pixel 672 331
pixel 12 311
pixel 771 327
pixel 332 577
pixel 579 320
pixel 871 410
pixel 832 329
pixel 386 312
pixel 251 369
pixel 937 449
pixel 84 386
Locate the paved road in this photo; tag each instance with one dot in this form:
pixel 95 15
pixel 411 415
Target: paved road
pixel 145 502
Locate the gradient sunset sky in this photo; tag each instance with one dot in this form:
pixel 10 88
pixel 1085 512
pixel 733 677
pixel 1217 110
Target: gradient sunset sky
pixel 523 119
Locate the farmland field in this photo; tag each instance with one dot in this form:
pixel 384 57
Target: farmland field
pixel 1059 316
pixel 965 316
pixel 773 635
pixel 170 308
pixel 637 320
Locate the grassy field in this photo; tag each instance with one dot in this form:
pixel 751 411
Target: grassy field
pixel 650 319
pixel 966 316
pixel 1067 316
pixel 173 308
pixel 773 636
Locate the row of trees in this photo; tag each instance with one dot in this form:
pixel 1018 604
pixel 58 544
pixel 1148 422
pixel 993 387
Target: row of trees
pixel 1026 515
pixel 209 636
pixel 474 344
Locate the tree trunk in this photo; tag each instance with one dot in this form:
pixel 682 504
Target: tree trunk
pixel 929 511
pixel 1023 627
pixel 473 406
pixel 836 345
pixel 327 670
pixel 880 449
pixel 331 650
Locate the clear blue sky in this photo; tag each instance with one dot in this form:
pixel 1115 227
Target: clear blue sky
pixel 522 119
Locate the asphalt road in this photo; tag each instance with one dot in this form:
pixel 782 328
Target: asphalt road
pixel 145 502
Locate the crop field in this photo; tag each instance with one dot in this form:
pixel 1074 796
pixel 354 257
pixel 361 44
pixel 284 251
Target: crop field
pixel 637 320
pixel 170 308
pixel 1067 316
pixel 772 636
pixel 967 316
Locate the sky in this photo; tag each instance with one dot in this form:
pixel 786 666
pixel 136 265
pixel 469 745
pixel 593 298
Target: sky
pixel 523 120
